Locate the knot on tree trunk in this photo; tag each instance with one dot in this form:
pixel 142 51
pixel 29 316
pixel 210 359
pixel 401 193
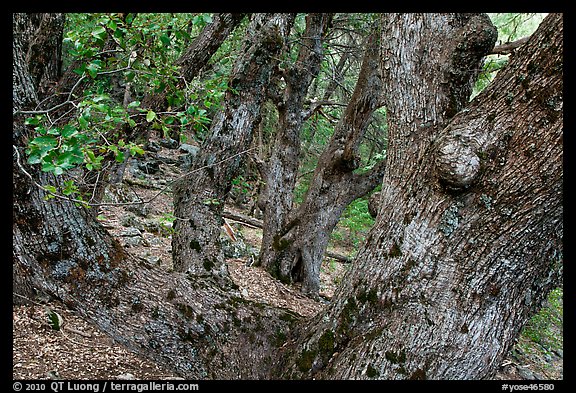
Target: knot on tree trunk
pixel 457 164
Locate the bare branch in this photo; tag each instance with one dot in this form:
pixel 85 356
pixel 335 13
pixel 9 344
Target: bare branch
pixel 509 47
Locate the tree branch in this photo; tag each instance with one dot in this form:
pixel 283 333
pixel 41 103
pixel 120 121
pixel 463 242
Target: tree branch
pixel 142 202
pixel 255 223
pixel 509 47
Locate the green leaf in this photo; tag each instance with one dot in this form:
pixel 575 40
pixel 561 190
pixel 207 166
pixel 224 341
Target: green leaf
pixel 135 149
pixel 92 69
pixel 80 70
pixel 120 156
pixel 32 121
pixel 83 122
pixel 68 131
pixel 134 104
pixel 69 159
pixel 130 75
pixel 100 97
pixel 50 188
pixel 34 159
pixel 150 116
pixel 45 141
pixel 165 39
pixel 99 33
pixel 69 187
pixel 48 167
pixel 183 120
pixel 112 25
pixel 54 319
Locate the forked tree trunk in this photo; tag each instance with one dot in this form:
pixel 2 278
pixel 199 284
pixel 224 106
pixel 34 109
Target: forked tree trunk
pixel 467 243
pixel 468 239
pixel 294 250
pixel 280 172
pixel 199 197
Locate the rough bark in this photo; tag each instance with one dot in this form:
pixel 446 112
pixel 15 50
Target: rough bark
pixel 280 172
pixel 48 234
pixel 199 198
pixel 295 251
pixel 194 325
pixel 255 223
pixel 452 268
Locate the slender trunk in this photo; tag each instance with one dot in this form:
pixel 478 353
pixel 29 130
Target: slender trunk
pixel 295 249
pixel 199 197
pixel 281 170
pixel 299 251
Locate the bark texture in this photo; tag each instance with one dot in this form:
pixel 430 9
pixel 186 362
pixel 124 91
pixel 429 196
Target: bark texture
pixel 195 325
pixel 281 170
pixel 452 269
pixel 456 263
pixel 199 198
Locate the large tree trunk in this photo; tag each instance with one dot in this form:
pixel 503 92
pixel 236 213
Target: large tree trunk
pixel 468 239
pixel 295 249
pixel 193 325
pixel 199 197
pixel 57 234
pixel 459 258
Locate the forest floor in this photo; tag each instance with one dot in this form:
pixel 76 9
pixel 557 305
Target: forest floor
pixel 79 350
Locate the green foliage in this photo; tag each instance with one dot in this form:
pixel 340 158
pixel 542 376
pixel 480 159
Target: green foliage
pixel 512 26
pixel 211 202
pixel 114 53
pixel 544 328
pixel 241 186
pixel 54 319
pixel 167 223
pixel 354 224
pixel 56 149
pixel 61 149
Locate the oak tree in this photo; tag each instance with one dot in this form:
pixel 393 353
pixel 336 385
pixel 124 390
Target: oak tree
pixel 467 241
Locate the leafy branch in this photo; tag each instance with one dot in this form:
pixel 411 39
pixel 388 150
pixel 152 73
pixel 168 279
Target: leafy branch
pixel 51 190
